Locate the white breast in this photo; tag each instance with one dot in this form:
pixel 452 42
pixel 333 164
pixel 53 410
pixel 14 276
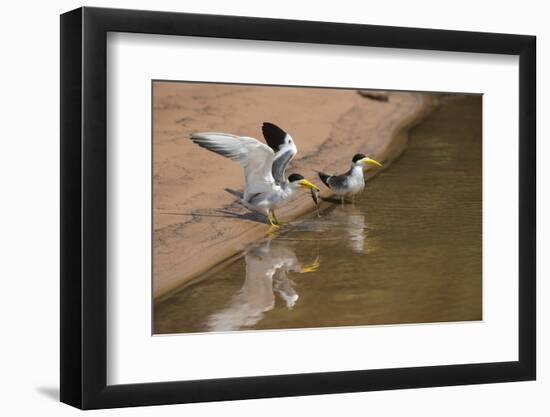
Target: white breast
pixel 356 181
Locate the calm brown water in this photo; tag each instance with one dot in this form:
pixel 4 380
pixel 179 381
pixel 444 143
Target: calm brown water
pixel 407 251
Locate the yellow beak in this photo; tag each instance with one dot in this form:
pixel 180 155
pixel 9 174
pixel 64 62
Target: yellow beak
pixel 307 184
pixel 368 160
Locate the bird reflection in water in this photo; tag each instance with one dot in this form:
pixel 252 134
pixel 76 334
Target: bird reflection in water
pixel 352 222
pixel 355 226
pixel 343 223
pixel 267 266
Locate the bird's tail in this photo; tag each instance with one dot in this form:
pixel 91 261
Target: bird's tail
pixel 324 177
pixel 234 193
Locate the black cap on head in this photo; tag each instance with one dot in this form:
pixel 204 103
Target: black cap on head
pixel 358 156
pixel 295 177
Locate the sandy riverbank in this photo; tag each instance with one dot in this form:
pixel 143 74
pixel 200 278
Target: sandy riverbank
pixel 197 224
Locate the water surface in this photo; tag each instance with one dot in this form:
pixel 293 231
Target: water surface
pixel 407 251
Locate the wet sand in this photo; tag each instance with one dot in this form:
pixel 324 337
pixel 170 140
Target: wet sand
pixel 408 251
pixel 197 224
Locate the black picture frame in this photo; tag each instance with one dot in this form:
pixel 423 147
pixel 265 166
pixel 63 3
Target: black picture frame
pixel 84 207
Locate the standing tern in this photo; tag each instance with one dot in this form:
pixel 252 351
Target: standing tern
pixel 353 181
pixel 266 185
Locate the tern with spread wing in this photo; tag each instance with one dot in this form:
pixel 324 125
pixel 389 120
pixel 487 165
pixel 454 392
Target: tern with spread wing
pixel 351 182
pixel 266 185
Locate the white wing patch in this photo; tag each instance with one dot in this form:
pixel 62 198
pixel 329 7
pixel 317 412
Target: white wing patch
pixel 255 157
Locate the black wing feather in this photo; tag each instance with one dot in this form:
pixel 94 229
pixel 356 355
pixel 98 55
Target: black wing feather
pixel 273 135
pixel 324 177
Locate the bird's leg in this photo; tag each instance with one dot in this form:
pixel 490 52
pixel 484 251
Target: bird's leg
pixel 353 199
pixel 342 200
pixel 272 221
pixel 275 218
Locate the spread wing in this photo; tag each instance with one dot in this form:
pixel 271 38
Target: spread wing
pixel 284 147
pixel 255 157
pixel 280 163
